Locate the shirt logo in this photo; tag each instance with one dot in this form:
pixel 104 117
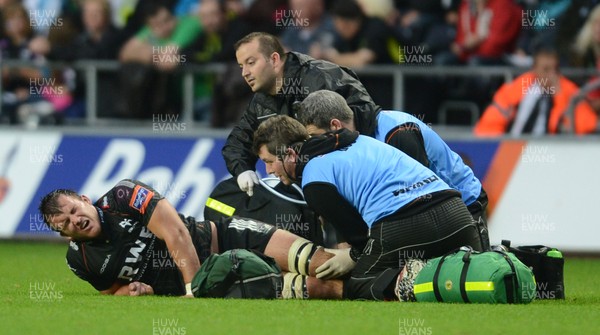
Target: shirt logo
pixel 105 263
pixel 140 198
pixel 104 203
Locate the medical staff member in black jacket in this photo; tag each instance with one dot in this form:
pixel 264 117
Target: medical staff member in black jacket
pixel 281 80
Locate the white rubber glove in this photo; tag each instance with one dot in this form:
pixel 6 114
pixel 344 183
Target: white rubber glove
pixel 337 266
pixel 246 181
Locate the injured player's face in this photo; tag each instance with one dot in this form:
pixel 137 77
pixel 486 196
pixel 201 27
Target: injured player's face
pixel 78 220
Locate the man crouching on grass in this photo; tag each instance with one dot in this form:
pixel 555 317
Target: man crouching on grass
pixel 133 242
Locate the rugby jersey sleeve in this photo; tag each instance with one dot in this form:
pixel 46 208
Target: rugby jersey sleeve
pixel 131 198
pixel 84 267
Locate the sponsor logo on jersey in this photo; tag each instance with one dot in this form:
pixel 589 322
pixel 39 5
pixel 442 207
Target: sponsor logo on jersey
pixel 105 263
pixel 241 224
pixel 127 223
pixel 104 203
pixel 132 267
pixel 141 198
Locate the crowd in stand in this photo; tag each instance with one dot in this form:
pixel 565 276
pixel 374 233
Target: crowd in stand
pixel 154 40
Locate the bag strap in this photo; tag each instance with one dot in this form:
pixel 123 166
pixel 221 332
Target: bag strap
pixel 220 290
pixel 463 275
pixel 510 279
pixel 436 275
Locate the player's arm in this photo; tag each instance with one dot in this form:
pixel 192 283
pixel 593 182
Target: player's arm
pixel 166 224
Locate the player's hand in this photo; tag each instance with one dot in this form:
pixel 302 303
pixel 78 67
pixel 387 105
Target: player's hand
pixel 137 289
pixel 246 181
pixel 337 266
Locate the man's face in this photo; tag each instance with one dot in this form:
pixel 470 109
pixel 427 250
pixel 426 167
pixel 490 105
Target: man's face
pixel 347 28
pixel 258 71
pixel 546 70
pixel 78 219
pixel 162 24
pixel 276 166
pixel 93 16
pixel 211 16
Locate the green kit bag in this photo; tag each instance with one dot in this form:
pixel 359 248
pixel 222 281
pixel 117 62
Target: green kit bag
pixel 467 276
pixel 238 273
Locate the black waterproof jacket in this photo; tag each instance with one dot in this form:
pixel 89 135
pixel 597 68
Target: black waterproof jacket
pixel 302 75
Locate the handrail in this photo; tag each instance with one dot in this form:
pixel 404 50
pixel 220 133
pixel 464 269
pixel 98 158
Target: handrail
pixel 90 70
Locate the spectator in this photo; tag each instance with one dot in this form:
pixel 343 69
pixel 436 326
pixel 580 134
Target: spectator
pixel 540 26
pixel 133 14
pixel 536 103
pixel 162 30
pixel 215 43
pixel 227 95
pixel 261 14
pixel 586 53
pixel 430 24
pixel 149 59
pixel 381 9
pixel 186 7
pixel 121 11
pixel 486 31
pixel 44 14
pixel 235 8
pixel 587 42
pixel 98 40
pixel 314 31
pixel 29 95
pixel 570 24
pixel 361 40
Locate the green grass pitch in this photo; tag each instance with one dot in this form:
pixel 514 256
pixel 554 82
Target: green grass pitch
pixel 39 295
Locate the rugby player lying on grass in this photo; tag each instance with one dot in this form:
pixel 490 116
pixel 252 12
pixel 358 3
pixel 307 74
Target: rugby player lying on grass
pixel 133 242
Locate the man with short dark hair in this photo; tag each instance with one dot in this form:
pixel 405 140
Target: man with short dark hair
pixel 279 81
pixel 133 242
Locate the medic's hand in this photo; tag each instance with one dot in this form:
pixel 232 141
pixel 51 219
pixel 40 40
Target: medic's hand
pixel 246 181
pixel 337 266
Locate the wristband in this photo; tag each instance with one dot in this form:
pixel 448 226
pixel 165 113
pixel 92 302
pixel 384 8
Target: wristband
pixel 188 289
